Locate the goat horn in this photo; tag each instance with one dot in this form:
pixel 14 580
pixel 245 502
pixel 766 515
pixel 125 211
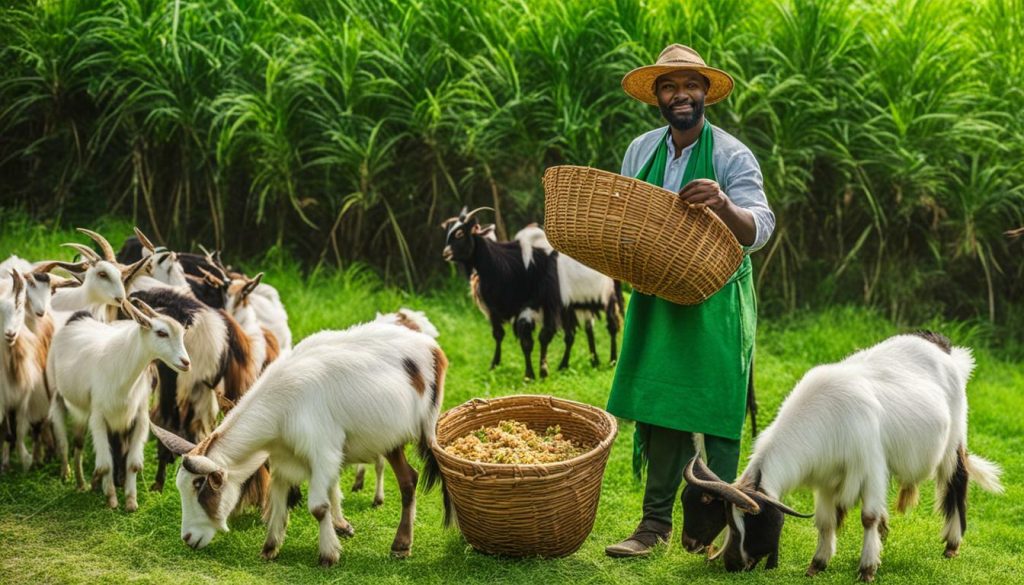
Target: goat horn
pixel 728 492
pixel 784 508
pixel 470 214
pixel 199 464
pixel 211 277
pixel 144 308
pixel 174 443
pixel 85 251
pixel 19 284
pixel 45 267
pixel 144 240
pixel 108 251
pixel 61 282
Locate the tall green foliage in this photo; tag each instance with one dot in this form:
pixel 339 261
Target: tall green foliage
pixel 889 132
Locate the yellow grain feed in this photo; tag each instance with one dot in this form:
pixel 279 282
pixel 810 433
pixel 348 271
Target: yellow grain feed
pixel 513 442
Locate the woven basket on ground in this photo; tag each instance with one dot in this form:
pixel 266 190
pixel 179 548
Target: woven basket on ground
pixel 633 231
pixel 526 510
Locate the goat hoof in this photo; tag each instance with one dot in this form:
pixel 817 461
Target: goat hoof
pixel 156 487
pixel 815 568
pixel 357 487
pixel 328 560
pixel 112 502
pixel 952 550
pixel 269 551
pixel 378 502
pixel 867 574
pixel 131 506
pixel 401 553
pixel 344 530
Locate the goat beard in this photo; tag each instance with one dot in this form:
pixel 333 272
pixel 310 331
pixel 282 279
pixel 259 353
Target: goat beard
pixel 682 122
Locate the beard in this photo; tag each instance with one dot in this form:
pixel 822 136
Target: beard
pixel 682 122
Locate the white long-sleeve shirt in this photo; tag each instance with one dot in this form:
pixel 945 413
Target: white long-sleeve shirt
pixel 738 173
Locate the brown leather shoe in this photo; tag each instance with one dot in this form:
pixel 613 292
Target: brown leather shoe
pixel 647 535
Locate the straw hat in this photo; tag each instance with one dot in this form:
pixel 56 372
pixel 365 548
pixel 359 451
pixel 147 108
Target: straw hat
pixel 639 83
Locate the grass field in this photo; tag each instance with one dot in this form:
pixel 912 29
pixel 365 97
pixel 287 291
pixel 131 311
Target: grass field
pixel 51 534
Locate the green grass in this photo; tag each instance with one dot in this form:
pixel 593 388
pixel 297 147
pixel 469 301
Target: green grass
pixel 50 533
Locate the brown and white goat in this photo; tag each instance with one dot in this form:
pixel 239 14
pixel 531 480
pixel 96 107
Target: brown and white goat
pixel 339 396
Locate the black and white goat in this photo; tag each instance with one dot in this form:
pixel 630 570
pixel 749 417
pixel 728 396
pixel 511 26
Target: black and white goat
pixel 100 375
pixel 338 397
pixel 508 288
pixel 586 295
pixel 898 408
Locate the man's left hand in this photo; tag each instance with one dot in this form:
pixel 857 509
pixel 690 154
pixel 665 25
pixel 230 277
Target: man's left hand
pixel 704 192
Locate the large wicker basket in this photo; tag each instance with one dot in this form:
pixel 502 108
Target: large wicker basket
pixel 639 233
pixel 526 510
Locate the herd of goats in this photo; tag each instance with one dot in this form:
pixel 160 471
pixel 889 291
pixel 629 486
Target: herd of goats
pixel 89 343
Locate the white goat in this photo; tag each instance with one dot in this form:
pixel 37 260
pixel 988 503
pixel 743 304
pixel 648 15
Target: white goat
pixel 339 396
pixel 586 294
pixel 99 372
pixel 898 408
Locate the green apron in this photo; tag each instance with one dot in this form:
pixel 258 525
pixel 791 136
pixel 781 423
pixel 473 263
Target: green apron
pixel 687 367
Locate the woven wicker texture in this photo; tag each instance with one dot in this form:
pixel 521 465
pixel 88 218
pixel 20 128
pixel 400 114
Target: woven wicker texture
pixel 633 231
pixel 526 510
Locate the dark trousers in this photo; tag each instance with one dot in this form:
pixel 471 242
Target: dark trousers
pixel 668 452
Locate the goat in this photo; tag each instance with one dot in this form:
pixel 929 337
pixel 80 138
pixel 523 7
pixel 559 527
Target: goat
pixel 99 372
pixel 416 321
pixel 898 408
pixel 39 322
pixel 509 289
pixel 187 401
pixel 259 343
pixel 339 396
pixel 20 370
pixel 585 295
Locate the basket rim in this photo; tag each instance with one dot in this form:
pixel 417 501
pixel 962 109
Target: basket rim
pixel 731 237
pixel 547 469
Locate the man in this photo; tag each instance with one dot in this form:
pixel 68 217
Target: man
pixel 686 369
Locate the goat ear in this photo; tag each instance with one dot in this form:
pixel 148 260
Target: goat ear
pixel 130 273
pixel 174 443
pixel 251 285
pixel 215 480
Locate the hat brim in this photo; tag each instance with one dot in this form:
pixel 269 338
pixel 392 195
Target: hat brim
pixel 639 83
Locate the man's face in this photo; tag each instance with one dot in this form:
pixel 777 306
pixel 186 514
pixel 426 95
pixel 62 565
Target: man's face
pixel 681 98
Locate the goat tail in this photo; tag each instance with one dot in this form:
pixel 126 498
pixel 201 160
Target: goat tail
pixel 963 361
pixel 432 475
pixel 985 473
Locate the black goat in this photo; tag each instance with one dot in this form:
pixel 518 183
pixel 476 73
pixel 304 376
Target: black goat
pixel 506 287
